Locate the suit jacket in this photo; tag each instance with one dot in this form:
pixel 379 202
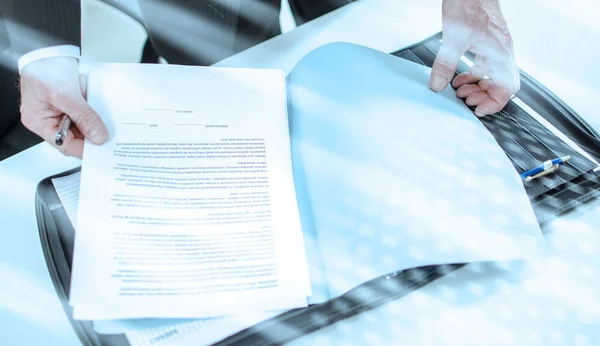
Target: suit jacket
pixel 199 32
pixel 202 32
pixel 26 25
pixel 183 31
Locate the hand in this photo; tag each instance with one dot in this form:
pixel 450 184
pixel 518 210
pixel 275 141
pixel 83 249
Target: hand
pixel 477 26
pixel 51 87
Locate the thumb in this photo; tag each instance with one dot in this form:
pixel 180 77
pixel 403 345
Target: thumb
pixel 85 118
pixel 446 63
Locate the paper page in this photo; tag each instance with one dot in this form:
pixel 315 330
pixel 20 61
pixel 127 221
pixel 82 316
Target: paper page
pixel 168 334
pixel 67 188
pixel 396 175
pixel 122 326
pixel 189 210
pixel 203 332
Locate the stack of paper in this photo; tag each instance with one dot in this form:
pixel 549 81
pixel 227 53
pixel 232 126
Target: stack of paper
pixel 189 210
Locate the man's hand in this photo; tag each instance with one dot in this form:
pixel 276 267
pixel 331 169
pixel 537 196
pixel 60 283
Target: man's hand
pixel 51 87
pixel 477 26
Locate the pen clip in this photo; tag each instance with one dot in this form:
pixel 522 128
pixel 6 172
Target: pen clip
pixel 552 169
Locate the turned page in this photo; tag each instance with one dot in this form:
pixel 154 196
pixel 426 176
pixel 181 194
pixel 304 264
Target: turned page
pixel 189 210
pixel 396 176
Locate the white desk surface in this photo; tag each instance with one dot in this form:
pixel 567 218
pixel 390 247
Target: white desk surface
pixel 551 302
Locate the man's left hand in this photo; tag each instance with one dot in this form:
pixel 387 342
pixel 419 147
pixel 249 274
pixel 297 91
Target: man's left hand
pixel 477 26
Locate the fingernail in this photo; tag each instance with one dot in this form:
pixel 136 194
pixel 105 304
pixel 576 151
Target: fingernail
pixel 98 136
pixel 438 83
pixel 479 113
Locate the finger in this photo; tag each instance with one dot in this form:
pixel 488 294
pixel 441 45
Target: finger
pixel 446 63
pixel 476 98
pixel 485 84
pixel 71 146
pixel 499 97
pixel 74 148
pixel 84 117
pixel 465 78
pixel 487 107
pixel 76 132
pixel 467 89
pixel 474 75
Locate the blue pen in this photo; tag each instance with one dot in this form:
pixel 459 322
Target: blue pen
pixel 546 167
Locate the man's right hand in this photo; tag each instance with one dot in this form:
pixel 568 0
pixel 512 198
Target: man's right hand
pixel 51 87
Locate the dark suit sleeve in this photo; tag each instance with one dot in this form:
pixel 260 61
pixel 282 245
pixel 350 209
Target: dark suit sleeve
pixel 34 24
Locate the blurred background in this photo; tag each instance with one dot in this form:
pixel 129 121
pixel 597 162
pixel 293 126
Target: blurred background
pixel 124 35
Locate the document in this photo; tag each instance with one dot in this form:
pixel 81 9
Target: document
pixel 145 332
pixel 172 333
pixel 189 211
pixel 393 175
pixel 67 188
pixel 200 332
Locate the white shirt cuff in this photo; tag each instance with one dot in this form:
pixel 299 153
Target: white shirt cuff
pixel 49 52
